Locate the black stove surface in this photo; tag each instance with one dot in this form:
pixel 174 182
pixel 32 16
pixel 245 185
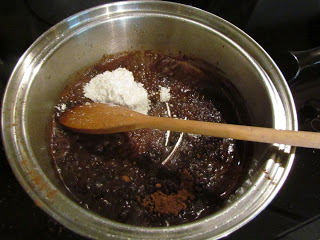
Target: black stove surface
pixel 278 26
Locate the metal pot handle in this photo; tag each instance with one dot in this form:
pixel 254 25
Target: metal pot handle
pixel 305 59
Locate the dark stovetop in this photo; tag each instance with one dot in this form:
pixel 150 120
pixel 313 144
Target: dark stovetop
pixel 278 26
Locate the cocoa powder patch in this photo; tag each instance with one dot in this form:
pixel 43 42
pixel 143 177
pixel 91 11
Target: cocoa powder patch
pixel 171 203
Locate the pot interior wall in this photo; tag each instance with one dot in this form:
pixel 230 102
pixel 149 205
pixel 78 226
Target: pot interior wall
pixel 134 33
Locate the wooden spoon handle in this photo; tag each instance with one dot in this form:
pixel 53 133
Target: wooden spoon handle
pixel 239 132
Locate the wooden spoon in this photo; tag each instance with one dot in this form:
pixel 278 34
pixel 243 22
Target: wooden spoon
pixel 98 118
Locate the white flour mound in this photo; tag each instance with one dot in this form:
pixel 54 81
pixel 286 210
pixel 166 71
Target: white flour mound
pixel 118 88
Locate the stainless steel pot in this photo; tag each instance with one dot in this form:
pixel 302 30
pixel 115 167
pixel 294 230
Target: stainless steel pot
pixel 81 40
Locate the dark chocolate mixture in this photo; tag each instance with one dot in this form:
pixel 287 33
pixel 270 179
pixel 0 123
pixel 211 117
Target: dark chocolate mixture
pixel 151 177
